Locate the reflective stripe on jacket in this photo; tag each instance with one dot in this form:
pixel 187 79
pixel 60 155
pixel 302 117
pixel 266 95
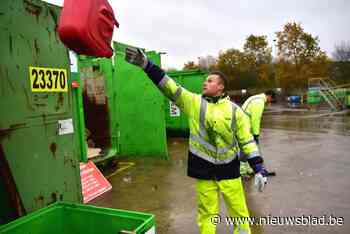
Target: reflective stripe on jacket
pixel 254 108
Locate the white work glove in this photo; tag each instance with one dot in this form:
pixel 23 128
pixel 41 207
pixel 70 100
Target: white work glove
pixel 260 181
pixel 136 56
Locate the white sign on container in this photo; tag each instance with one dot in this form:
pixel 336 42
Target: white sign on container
pixel 65 126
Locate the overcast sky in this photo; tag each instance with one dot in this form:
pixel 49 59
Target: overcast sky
pixel 188 29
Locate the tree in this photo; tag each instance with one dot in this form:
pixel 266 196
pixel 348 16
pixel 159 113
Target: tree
pixel 340 68
pixel 342 52
pixel 235 64
pixel 299 57
pixel 340 72
pixel 190 65
pixel 257 48
pixel 258 53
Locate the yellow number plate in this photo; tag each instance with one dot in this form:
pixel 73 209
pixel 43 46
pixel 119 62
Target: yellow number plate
pixel 43 79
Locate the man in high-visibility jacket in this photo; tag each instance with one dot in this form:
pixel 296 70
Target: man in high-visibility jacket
pixel 218 130
pixel 254 108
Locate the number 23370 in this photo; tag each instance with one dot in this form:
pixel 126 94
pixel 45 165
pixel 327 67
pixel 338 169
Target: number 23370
pixel 48 79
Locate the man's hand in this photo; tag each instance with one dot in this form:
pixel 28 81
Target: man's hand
pixel 260 179
pixel 136 56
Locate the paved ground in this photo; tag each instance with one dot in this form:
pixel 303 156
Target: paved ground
pixel 311 156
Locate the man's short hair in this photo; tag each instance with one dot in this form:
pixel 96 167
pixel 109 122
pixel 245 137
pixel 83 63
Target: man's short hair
pixel 270 93
pixel 222 77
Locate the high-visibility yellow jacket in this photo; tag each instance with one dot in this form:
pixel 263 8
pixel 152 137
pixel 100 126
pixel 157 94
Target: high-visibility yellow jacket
pixel 219 129
pixel 254 108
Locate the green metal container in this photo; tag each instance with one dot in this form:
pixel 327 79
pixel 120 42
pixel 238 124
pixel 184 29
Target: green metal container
pixel 122 109
pixel 78 113
pixel 347 99
pixel 37 140
pixel 99 106
pixel 72 218
pixel 192 80
pixel 340 93
pixel 139 110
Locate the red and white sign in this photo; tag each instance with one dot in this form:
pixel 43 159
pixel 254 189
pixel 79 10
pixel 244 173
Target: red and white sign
pixel 93 183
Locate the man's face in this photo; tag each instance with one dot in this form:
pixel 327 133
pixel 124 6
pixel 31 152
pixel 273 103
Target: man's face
pixel 213 86
pixel 269 98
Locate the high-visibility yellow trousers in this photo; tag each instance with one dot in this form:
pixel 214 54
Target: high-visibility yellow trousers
pixel 208 199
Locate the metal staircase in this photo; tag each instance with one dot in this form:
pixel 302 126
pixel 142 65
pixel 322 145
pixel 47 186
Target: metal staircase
pixel 327 88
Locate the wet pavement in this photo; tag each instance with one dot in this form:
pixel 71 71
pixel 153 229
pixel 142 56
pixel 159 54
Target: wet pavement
pixel 310 154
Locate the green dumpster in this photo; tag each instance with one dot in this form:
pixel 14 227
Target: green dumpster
pixel 126 105
pixel 192 80
pixel 347 101
pixel 99 105
pixel 340 93
pixel 38 141
pixel 139 110
pixel 71 218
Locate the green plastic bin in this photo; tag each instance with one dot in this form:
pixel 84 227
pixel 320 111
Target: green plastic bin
pixel 313 100
pixel 71 218
pixel 347 99
pixel 313 96
pixel 313 93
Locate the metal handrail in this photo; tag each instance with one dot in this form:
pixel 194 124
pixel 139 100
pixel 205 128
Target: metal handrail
pixel 326 87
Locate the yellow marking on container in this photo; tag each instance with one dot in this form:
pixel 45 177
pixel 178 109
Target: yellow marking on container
pixel 45 79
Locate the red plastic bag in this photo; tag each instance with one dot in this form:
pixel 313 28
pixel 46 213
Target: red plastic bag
pixel 86 27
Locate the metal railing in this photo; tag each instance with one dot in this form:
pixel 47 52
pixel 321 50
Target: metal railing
pixel 327 88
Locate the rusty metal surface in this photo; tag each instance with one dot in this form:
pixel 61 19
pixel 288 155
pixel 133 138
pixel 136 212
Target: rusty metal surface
pixel 42 162
pixel 96 109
